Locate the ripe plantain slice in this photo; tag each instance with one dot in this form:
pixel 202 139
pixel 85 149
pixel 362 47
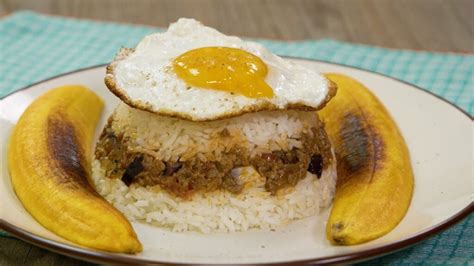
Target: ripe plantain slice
pixel 375 178
pixel 49 162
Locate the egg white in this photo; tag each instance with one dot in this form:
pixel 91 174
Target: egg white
pixel 145 78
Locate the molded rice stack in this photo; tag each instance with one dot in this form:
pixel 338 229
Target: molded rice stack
pixel 225 175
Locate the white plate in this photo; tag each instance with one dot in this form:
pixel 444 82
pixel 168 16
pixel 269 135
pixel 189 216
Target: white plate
pixel 438 134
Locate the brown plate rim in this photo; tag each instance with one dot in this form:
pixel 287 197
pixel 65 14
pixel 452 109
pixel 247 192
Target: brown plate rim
pixel 106 257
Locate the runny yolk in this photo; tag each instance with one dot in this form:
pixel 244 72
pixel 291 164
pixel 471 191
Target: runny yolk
pixel 226 69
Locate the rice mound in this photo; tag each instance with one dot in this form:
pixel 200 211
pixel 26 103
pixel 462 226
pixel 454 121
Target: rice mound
pixel 220 211
pixel 168 138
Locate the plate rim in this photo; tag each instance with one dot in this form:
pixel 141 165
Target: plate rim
pixel 107 257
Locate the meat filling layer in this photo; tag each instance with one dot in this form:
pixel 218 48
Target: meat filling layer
pixel 281 169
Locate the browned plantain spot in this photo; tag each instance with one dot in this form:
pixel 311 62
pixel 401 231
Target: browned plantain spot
pixel 379 148
pixel 336 230
pixel 67 153
pixel 361 146
pixel 354 152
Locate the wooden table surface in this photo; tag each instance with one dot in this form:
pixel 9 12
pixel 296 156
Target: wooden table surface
pixel 436 25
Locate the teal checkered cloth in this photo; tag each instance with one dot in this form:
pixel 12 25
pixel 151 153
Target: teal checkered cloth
pixel 34 47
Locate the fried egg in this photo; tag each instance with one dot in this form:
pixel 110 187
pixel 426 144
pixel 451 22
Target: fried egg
pixel 196 73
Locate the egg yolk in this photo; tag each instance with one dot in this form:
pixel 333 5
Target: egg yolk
pixel 226 69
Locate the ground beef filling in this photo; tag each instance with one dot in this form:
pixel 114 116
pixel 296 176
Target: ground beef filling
pixel 280 168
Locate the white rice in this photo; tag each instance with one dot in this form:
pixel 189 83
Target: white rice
pixel 172 139
pixel 220 211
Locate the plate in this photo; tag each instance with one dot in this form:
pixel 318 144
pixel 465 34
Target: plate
pixel 438 134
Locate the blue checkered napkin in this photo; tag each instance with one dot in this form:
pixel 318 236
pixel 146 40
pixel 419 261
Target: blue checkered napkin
pixel 34 47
